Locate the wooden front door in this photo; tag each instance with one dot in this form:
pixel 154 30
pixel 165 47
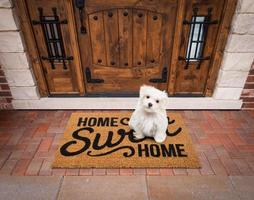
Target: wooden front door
pixel 99 47
pixel 125 44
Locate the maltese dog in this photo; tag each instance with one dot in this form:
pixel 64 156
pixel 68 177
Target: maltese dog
pixel 150 117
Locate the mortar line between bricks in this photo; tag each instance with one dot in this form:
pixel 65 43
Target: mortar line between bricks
pixel 8 141
pixel 234 188
pixel 33 158
pixel 248 164
pixel 40 167
pixel 22 134
pixel 234 132
pixel 214 172
pixel 5 160
pixel 59 188
pixel 24 174
pixel 147 188
pixel 220 160
pixel 209 164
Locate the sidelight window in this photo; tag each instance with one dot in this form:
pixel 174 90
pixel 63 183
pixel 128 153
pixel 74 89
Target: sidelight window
pixel 196 38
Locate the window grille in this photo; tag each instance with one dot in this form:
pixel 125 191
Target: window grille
pixel 53 38
pixel 197 37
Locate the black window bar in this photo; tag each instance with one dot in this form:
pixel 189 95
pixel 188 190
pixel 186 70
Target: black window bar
pixel 197 37
pixel 53 36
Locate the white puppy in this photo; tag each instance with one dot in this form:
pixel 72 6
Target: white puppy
pixel 150 117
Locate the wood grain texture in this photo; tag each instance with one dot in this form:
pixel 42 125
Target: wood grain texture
pixel 59 73
pixel 181 5
pixel 97 36
pixel 26 28
pixel 225 26
pixel 127 43
pixel 154 38
pixel 111 32
pixel 139 37
pixel 125 37
pixel 192 80
pixel 74 45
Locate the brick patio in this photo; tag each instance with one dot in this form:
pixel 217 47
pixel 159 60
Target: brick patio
pixel 224 141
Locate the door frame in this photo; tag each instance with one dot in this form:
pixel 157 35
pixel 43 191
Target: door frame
pixel 224 29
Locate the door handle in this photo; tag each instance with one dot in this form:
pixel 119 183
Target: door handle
pixel 80 4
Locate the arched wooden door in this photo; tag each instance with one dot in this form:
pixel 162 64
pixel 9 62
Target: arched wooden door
pixel 124 44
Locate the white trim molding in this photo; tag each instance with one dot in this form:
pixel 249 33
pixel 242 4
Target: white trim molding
pixel 125 103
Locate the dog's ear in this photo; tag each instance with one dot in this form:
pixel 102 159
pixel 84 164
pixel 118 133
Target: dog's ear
pixel 142 90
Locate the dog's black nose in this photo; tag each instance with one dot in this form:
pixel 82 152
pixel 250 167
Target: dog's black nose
pixel 150 105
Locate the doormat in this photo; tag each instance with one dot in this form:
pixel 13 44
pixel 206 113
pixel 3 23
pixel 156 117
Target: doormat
pixel 104 140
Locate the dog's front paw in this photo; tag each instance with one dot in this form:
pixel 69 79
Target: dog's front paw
pixel 138 135
pixel 159 138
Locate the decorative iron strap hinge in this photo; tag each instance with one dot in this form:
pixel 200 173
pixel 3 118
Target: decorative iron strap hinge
pixel 197 37
pixel 53 38
pixel 89 78
pixel 163 79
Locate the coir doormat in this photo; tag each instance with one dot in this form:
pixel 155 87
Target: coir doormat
pixel 104 140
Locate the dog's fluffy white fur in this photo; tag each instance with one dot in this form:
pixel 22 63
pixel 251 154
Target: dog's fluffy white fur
pixel 150 117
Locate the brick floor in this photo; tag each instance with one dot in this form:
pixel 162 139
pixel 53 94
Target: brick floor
pixel 224 141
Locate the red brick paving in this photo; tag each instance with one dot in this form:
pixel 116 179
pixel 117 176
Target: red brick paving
pixel 139 171
pixel 21 167
pixel 99 172
pixel 126 172
pixel 72 172
pixel 113 172
pixel 58 172
pixel 180 172
pixel 224 141
pixel 153 172
pixel 85 172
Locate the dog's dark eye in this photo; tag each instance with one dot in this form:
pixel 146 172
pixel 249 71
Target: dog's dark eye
pixel 147 97
pixel 157 101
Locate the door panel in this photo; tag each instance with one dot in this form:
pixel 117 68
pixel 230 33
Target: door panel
pixel 97 39
pixel 51 32
pixel 191 77
pixel 125 37
pixel 139 37
pixel 111 37
pixel 126 45
pixel 154 39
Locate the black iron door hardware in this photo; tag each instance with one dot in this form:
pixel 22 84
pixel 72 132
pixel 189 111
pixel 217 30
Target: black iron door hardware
pixel 53 37
pixel 89 78
pixel 197 37
pixel 163 79
pixel 80 4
